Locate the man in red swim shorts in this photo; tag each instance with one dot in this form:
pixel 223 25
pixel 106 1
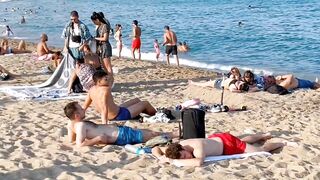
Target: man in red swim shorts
pixel 136 41
pixel 192 152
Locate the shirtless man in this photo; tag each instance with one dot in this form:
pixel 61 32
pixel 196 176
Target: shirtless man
pixel 192 152
pixel 100 95
pixel 170 40
pixel 87 133
pixel 290 82
pixel 136 41
pixel 43 51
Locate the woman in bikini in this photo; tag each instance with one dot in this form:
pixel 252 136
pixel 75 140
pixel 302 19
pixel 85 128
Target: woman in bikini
pixel 118 38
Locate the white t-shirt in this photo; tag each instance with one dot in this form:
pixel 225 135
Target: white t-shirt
pixel 76 31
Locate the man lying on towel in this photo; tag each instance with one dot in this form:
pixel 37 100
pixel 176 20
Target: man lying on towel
pixel 192 152
pixel 87 133
pixel 100 95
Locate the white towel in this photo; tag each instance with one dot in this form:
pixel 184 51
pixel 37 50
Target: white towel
pixel 234 156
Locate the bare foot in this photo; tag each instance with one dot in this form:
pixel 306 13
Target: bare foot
pixel 266 136
pixel 291 144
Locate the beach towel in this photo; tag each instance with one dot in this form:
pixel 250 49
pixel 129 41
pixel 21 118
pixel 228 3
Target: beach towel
pixel 234 156
pixel 56 87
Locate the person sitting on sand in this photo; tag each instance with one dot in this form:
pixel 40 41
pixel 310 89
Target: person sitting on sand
pixel 91 57
pixel 290 82
pixel 56 58
pixel 100 95
pixel 43 52
pixel 192 152
pixel 6 49
pixel 87 133
pixel 84 70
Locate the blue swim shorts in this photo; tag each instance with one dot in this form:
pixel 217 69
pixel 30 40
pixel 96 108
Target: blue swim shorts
pixel 127 135
pixel 124 114
pixel 305 83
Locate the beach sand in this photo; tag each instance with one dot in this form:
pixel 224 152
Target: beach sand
pixel 33 141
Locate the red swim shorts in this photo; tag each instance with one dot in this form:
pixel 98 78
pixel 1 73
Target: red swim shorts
pixel 231 144
pixel 136 43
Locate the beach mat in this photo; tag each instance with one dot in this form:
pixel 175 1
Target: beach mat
pixel 55 88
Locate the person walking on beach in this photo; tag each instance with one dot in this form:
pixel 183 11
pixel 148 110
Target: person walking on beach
pixel 118 38
pixel 156 48
pixel 170 41
pixel 136 41
pixel 76 34
pixel 104 49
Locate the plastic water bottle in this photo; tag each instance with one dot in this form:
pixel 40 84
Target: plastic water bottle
pixel 134 149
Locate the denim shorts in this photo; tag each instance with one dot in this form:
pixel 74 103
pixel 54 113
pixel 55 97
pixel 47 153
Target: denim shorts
pixel 127 135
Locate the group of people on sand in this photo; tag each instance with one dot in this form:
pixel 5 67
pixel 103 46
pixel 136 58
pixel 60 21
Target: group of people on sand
pixel 250 82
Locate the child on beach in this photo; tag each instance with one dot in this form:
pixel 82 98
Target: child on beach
pixel 192 152
pixel 100 95
pixel 87 133
pixel 56 59
pixel 156 48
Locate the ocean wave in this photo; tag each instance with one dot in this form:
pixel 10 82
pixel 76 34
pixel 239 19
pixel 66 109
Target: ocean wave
pixel 5 0
pixel 151 56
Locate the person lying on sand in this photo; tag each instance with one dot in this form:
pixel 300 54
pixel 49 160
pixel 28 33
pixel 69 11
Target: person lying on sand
pixel 100 95
pixel 230 84
pixel 192 152
pixel 4 74
pixel 6 49
pixel 87 133
pixel 290 82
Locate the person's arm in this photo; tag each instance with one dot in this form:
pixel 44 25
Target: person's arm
pixel 104 108
pixel 94 141
pixel 45 47
pixel 156 151
pixel 86 33
pixel 87 102
pixel 165 40
pixel 71 134
pixel 71 80
pixel 103 38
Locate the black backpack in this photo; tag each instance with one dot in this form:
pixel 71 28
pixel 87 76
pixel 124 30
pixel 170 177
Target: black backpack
pixel 193 125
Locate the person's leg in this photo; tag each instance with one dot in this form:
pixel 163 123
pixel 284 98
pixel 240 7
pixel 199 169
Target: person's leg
pixel 168 61
pixel 133 50
pixel 22 45
pixel 143 106
pixel 130 102
pixel 256 137
pixel 177 60
pixel 107 65
pixel 209 83
pixel 149 134
pixel 139 54
pixel 266 147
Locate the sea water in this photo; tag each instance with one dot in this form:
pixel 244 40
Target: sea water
pixel 274 37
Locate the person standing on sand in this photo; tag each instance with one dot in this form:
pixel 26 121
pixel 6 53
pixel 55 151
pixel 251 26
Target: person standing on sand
pixel 136 41
pixel 118 38
pixel 156 48
pixel 104 49
pixel 76 34
pixel 170 41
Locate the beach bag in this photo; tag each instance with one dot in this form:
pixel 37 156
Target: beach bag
pixel 193 125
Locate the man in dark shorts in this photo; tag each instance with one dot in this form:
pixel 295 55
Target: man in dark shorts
pixel 170 41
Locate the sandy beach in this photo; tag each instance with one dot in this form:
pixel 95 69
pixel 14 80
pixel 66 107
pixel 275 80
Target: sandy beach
pixel 33 142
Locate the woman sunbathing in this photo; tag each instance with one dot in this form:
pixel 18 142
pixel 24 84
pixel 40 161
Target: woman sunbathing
pixel 6 49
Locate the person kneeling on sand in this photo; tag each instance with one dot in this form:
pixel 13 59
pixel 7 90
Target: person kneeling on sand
pixel 192 152
pixel 100 95
pixel 87 133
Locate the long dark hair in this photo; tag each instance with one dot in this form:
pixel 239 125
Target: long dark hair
pixel 99 16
